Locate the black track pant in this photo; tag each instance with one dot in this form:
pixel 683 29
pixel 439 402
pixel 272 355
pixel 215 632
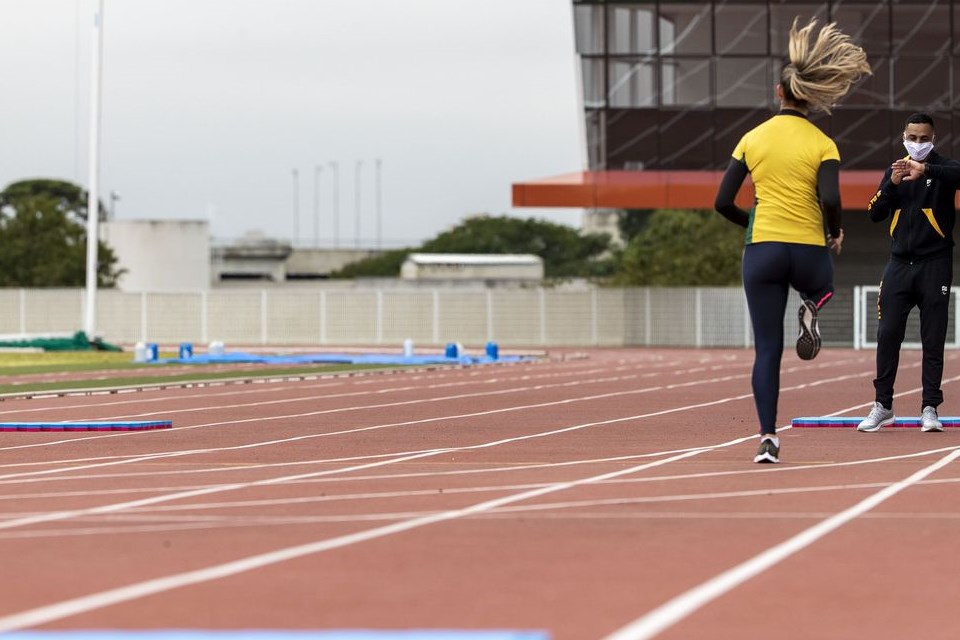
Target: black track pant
pixel 769 270
pixel 904 286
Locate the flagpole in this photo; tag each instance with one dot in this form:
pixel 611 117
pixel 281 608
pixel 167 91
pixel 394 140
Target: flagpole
pixel 93 197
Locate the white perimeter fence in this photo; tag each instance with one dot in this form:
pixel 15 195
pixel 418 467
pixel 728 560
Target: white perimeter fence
pixel 686 317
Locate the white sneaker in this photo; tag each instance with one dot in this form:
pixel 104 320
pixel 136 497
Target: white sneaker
pixel 929 420
pixel 769 451
pixel 879 417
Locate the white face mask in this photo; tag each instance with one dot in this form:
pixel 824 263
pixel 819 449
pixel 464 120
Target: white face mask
pixel 918 150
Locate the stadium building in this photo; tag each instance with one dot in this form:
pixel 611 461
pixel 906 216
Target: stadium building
pixel 668 88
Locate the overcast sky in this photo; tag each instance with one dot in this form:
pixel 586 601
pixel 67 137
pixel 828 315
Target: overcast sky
pixel 210 105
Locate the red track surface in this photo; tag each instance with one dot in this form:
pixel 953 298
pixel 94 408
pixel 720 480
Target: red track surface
pixel 576 497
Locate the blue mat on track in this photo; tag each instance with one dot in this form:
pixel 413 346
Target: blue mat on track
pixel 126 425
pixel 834 422
pixel 337 358
pixel 425 634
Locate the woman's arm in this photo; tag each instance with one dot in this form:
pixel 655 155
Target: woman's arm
pixel 828 186
pixel 733 177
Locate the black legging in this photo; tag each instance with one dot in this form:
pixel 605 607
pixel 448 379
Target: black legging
pixel 905 285
pixel 769 270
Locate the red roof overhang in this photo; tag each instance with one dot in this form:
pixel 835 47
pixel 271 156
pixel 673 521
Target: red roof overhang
pixel 662 190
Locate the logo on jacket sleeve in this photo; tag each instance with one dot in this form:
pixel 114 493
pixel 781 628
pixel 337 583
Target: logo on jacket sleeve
pixel 944 290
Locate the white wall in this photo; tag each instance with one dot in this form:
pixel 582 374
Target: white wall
pixel 161 255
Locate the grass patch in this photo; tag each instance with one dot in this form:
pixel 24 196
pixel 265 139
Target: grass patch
pixel 14 363
pixel 118 370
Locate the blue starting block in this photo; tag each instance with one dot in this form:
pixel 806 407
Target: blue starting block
pixel 905 423
pixel 127 425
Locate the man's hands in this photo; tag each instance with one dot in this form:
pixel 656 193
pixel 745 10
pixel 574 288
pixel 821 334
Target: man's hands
pixel 906 170
pixel 835 243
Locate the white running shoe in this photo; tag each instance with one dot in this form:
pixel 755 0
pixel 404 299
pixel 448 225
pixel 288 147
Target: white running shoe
pixel 879 417
pixel 929 420
pixel 769 451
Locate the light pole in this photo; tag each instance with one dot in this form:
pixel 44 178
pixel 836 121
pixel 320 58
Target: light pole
pixel 356 184
pixel 296 207
pixel 335 170
pixel 378 165
pixel 114 196
pixel 93 196
pixel 317 170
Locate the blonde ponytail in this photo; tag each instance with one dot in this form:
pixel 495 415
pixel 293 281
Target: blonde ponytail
pixel 822 69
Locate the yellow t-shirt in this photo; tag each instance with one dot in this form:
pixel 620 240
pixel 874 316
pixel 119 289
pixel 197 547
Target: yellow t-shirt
pixel 783 156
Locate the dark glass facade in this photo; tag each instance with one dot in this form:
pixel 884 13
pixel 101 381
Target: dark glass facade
pixel 673 85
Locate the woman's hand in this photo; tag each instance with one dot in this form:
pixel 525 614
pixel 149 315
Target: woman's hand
pixel 836 244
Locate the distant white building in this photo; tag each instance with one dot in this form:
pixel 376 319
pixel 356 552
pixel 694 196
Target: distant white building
pixel 160 255
pixel 603 221
pixel 472 266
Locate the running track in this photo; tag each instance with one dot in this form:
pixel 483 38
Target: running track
pixel 606 497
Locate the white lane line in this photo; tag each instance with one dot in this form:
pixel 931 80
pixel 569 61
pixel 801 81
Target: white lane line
pixel 417 401
pixel 380 392
pixel 380 495
pixel 496 377
pixel 16 478
pixel 682 606
pixel 130 458
pixel 772 469
pixel 163 513
pixel 133 458
pixel 120 506
pixel 316 413
pixel 129 434
pixel 393 459
pixel 120 524
pixel 52 495
pixel 85 604
pixel 122 460
pixel 310 479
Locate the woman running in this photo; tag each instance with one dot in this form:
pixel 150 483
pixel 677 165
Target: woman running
pixel 795 169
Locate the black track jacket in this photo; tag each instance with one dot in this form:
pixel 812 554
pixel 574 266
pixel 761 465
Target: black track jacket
pixel 921 212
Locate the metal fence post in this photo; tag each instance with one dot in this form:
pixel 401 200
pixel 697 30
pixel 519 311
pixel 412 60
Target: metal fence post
pixel 436 316
pixel 543 316
pixel 489 315
pixel 647 321
pixel 143 316
pixel 698 316
pixel 204 317
pixel 263 316
pixel 323 317
pixel 23 310
pixel 594 316
pixel 379 316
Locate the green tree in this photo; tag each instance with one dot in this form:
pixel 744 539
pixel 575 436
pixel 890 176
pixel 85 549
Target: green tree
pixel 565 252
pixel 387 264
pixel 678 248
pixel 630 222
pixel 43 240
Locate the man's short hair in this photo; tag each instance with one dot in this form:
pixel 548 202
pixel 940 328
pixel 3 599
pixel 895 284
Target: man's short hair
pixel 919 118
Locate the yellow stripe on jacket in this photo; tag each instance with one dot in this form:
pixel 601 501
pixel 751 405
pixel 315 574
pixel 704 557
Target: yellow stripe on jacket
pixel 933 222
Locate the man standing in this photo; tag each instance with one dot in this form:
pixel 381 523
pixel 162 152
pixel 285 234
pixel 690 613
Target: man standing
pixel 917 196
